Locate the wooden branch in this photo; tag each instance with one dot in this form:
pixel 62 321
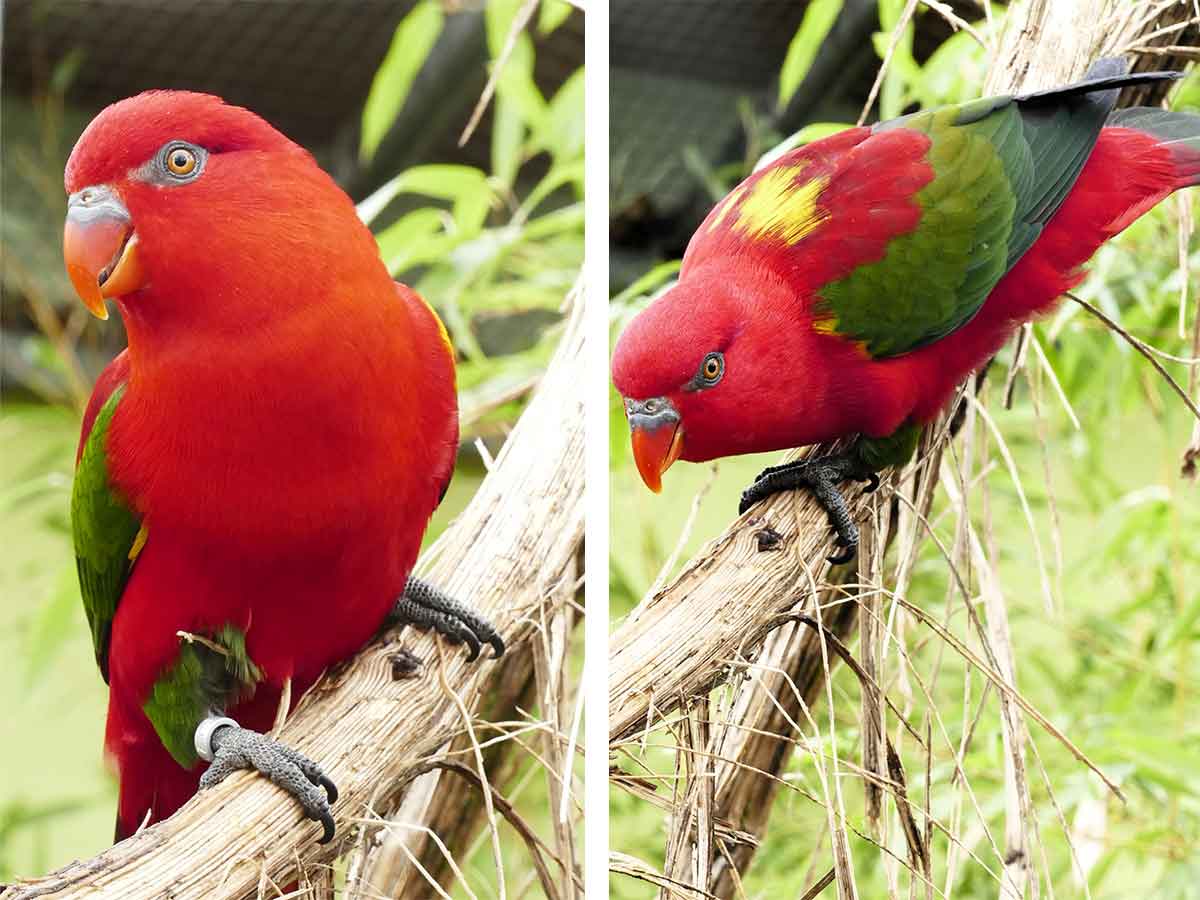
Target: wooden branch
pixel 682 641
pixel 452 808
pixel 507 555
pixel 760 743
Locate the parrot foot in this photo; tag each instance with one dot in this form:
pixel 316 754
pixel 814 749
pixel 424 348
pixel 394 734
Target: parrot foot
pixel 821 476
pixel 425 606
pixel 231 748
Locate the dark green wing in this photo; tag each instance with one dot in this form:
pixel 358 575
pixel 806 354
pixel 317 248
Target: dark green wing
pixel 106 531
pixel 1002 168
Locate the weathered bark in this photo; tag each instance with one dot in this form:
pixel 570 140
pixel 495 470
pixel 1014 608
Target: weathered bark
pixel 508 553
pixel 453 808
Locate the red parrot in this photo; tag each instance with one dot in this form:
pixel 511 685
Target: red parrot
pixel 849 287
pixel 257 469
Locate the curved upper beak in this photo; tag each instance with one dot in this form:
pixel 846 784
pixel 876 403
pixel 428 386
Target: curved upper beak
pixel 657 436
pixel 100 248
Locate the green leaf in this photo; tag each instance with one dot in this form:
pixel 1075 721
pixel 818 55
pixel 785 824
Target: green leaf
pixel 559 176
pixel 552 14
pixel 561 134
pixel 414 38
pixel 951 74
pixel 498 19
pixel 515 81
pixel 814 27
pixel 508 133
pixel 815 131
pixel 411 238
pixel 465 186
pixel 902 68
pixel 648 282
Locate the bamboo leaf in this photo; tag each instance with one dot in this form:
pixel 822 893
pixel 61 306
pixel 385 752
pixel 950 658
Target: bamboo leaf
pixel 814 27
pixel 411 44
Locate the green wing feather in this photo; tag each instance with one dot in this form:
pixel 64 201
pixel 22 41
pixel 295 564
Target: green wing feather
pixel 105 530
pixel 1002 168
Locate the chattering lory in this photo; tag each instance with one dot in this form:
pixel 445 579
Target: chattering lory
pixel 847 288
pixel 257 468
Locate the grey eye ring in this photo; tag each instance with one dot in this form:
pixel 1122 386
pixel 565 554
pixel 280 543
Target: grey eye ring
pixel 182 161
pixel 712 368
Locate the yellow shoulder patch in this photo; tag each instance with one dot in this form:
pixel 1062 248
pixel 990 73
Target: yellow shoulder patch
pixel 723 208
pixel 777 204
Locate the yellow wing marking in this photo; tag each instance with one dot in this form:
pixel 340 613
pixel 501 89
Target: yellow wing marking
pixel 777 205
pixel 726 205
pixel 139 541
pixel 441 326
pixel 825 325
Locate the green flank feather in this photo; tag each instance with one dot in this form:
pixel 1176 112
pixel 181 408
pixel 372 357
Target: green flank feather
pixel 104 528
pixel 210 674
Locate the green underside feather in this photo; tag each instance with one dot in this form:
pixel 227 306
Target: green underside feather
pixel 211 672
pixel 204 679
pixel 895 449
pixel 104 529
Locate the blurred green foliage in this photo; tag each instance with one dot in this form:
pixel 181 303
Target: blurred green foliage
pixel 1115 664
pixel 482 248
pixel 485 247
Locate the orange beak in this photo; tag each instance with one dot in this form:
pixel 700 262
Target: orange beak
pixel 100 248
pixel 657 437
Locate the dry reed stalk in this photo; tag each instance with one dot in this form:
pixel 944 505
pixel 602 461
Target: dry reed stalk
pixel 506 554
pixel 398 860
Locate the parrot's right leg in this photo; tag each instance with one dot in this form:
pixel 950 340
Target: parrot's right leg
pixel 424 606
pixel 821 476
pixel 230 748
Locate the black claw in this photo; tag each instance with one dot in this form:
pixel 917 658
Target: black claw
pixel 820 476
pixel 326 820
pixel 236 748
pixel 425 606
pixel 330 789
pixel 473 645
pixel 848 553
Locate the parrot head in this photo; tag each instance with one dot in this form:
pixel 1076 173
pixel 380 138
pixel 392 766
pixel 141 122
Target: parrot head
pixel 704 371
pixel 173 197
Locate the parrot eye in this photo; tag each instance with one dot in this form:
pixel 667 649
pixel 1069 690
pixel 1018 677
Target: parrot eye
pixel 182 162
pixel 712 369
